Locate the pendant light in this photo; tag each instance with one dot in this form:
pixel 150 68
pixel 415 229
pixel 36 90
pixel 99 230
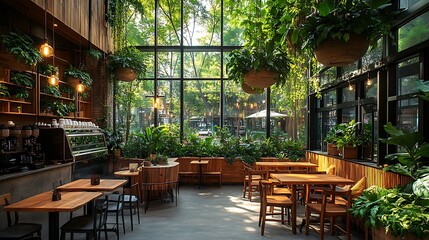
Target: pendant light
pixel 53 79
pixel 80 87
pixel 45 49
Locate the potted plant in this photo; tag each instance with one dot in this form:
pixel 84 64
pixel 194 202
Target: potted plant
pixel 331 140
pixel 52 90
pixel 22 47
pixel 349 141
pixel 77 75
pixel 127 64
pixel 4 91
pixel 21 79
pixel 47 69
pixel 258 66
pixel 339 32
pixel 114 140
pixel 152 139
pixel 21 94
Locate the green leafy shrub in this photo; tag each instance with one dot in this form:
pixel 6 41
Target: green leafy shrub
pixel 79 73
pixel 22 46
pixel 22 79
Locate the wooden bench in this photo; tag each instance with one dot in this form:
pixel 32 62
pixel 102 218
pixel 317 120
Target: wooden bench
pixel 214 168
pixel 186 169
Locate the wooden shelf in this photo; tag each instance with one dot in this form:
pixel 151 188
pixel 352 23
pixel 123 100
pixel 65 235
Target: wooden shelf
pixel 81 101
pixel 15 101
pixel 52 96
pixel 17 113
pixel 15 85
pixel 83 118
pixel 54 116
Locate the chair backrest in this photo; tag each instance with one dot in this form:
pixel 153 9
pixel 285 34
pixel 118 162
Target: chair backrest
pixel 100 213
pixel 331 169
pixel 6 199
pixel 328 195
pixel 358 188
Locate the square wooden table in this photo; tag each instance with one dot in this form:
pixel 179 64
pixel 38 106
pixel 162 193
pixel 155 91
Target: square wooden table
pixel 106 185
pixel 200 164
pixel 307 179
pixel 285 165
pixel 70 201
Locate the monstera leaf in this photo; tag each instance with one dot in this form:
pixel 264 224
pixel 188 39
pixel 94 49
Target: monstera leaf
pixel 421 187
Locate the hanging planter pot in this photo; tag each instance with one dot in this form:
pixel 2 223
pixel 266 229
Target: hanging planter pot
pixel 247 89
pixel 73 81
pixel 260 79
pixel 337 53
pixel 126 74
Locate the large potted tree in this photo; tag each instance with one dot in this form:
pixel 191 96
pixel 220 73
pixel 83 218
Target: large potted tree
pixel 127 64
pixel 340 31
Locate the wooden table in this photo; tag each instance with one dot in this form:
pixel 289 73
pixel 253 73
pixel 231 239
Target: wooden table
pixel 70 201
pixel 306 179
pixel 287 165
pixel 200 164
pixel 106 185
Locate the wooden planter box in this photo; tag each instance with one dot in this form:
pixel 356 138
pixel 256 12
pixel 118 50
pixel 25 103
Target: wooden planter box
pixel 350 152
pixel 332 149
pixel 380 234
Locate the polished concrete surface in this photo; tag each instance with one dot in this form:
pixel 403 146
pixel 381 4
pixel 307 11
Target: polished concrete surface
pixel 211 213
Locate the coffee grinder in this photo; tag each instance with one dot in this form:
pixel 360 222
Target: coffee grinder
pixel 4 134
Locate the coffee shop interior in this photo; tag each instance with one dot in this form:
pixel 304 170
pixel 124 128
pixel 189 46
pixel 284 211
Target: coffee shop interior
pixel 214 119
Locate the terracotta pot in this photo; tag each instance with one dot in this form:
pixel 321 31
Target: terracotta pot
pixel 247 89
pixel 126 74
pixel 260 79
pixel 332 149
pixel 73 81
pixel 337 53
pixel 350 152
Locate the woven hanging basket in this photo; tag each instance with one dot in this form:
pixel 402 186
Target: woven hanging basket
pixel 260 79
pixel 250 90
pixel 337 53
pixel 126 74
pixel 73 81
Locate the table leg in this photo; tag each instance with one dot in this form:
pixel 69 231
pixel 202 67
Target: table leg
pixel 293 208
pixel 200 172
pixel 54 225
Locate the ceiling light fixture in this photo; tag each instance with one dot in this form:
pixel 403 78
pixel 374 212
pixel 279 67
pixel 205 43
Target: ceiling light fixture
pixel 80 87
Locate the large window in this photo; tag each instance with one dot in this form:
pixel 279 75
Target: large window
pixel 414 32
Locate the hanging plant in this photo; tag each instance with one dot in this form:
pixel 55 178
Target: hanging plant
pixel 127 64
pixel 78 75
pixel 22 47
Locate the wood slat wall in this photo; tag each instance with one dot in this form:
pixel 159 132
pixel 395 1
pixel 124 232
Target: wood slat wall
pixel 75 14
pixel 356 171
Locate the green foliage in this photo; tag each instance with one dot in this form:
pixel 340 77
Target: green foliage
pixel 152 138
pixel 340 19
pixel 47 69
pixel 70 91
pixel 53 90
pixel 394 209
pixel 79 73
pixel 160 160
pixel 241 61
pixel 58 108
pixel 411 162
pixel 134 148
pixel 229 145
pixel 347 134
pixel 94 53
pixel 22 79
pixel 4 91
pixel 196 147
pixel 21 93
pixel 22 46
pixel 127 57
pixel 114 139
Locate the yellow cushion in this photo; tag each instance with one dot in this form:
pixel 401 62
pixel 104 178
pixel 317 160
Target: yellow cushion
pixel 358 188
pixel 331 170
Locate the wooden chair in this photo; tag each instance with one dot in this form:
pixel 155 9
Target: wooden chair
pixel 15 229
pixel 214 169
pixel 327 209
pixel 251 180
pixel 91 224
pixel 272 201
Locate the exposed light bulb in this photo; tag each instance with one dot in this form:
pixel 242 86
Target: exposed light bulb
pixel 46 50
pixel 53 80
pixel 350 87
pixel 369 82
pixel 80 87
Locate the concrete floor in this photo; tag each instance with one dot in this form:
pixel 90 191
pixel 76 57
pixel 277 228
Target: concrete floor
pixel 212 213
